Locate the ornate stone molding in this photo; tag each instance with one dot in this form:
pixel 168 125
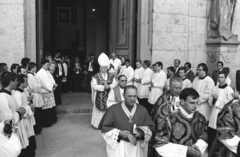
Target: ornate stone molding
pixel 212 56
pixel 228 57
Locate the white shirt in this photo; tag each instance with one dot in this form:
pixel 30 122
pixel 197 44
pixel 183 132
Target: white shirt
pixel 186 83
pixel 90 68
pixel 129 72
pixel 65 69
pixel 143 92
pixel 138 74
pixel 178 150
pixel 116 63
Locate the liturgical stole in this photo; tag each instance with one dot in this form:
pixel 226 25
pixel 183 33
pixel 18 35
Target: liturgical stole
pixel 117 94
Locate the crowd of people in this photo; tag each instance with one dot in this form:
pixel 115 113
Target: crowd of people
pixel 146 112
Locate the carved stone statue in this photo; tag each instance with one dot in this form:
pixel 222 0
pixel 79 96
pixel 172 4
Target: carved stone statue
pixel 221 19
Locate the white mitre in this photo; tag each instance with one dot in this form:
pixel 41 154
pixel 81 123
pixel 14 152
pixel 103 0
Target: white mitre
pixel 103 60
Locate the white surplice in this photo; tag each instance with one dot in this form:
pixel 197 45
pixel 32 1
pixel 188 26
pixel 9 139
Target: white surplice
pixel 224 96
pixel 97 114
pixel 204 87
pixel 25 129
pixel 34 84
pixel 159 80
pixel 138 74
pixel 143 92
pixel 121 69
pixel 123 148
pixel 186 83
pixel 129 72
pixel 116 63
pixel 178 150
pixel 9 147
pixel 6 108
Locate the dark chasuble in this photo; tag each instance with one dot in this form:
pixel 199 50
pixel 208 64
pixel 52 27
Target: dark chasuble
pixel 178 129
pixel 228 126
pixel 102 96
pixel 115 117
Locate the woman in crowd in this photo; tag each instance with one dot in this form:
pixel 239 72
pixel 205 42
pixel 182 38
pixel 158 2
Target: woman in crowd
pixel 48 85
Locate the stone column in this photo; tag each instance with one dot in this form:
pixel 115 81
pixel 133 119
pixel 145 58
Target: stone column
pixel 225 51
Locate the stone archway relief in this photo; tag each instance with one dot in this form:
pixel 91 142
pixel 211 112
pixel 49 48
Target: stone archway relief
pixel 228 57
pixel 212 56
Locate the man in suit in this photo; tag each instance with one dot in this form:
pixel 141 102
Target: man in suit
pixel 188 71
pixel 215 72
pixel 93 68
pixel 177 63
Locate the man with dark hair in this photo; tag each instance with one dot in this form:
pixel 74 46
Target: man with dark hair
pixel 21 70
pixel 3 67
pixel 226 70
pixel 215 72
pixel 126 126
pixel 143 92
pixel 115 63
pixel 129 72
pixel 170 74
pixel 9 83
pixel 158 82
pixel 189 72
pixel 186 82
pixel 184 132
pixel 14 68
pixel 204 84
pixel 25 62
pixel 222 94
pixel 116 94
pixel 177 63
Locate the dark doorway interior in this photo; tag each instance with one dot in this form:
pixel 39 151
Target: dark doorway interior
pixel 75 27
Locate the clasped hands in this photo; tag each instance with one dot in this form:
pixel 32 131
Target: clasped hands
pixel 131 137
pixel 194 151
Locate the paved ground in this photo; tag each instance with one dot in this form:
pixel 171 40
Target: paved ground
pixel 72 136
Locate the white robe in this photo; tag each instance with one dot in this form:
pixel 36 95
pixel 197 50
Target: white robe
pixel 129 72
pixel 34 83
pixel 116 63
pixel 204 87
pixel 186 84
pixel 224 96
pixel 159 80
pixel 26 129
pixel 138 74
pixel 6 108
pixel 46 79
pixel 178 150
pixel 9 147
pixel 143 92
pixel 97 114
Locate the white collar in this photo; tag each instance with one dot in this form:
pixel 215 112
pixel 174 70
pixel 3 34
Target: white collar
pixel 185 113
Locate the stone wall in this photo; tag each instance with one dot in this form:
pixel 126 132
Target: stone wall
pixel 12 47
pixel 179 31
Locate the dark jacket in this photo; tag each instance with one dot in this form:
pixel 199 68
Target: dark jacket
pixel 190 75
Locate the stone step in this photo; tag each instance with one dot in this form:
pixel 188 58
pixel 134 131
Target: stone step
pixel 61 111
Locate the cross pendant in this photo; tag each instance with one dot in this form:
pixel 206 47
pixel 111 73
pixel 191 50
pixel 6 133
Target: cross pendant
pixel 130 121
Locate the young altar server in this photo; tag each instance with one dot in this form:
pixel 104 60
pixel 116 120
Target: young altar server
pixel 25 130
pixel 127 127
pixel 186 82
pixel 222 94
pixel 129 72
pixel 138 74
pixel 101 84
pixel 184 132
pixel 159 79
pixel 35 85
pixel 204 84
pixel 116 94
pixel 145 82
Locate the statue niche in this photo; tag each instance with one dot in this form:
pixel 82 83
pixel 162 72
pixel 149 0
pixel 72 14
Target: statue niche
pixel 220 20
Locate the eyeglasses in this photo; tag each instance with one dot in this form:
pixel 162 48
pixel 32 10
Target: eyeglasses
pixel 123 80
pixel 199 69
